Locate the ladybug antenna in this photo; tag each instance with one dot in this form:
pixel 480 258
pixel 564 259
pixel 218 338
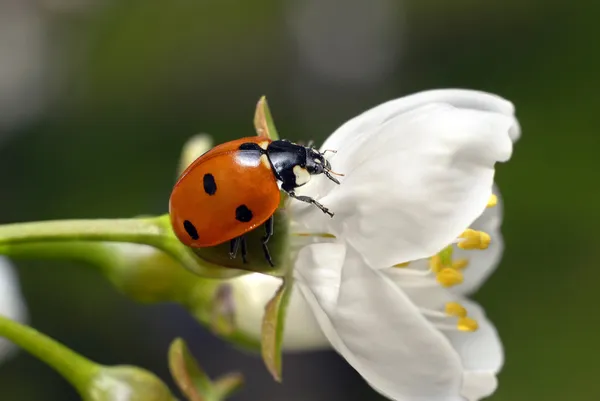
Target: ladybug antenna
pixel 331 177
pixel 328 150
pixel 334 173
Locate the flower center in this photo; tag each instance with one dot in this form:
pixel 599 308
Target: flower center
pixel 449 272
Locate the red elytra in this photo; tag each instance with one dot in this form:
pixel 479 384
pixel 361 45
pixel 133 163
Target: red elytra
pixel 235 187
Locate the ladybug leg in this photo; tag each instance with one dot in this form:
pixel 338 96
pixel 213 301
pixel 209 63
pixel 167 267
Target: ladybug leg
pixel 310 200
pixel 237 243
pixel 244 249
pixel 265 239
pixel 234 245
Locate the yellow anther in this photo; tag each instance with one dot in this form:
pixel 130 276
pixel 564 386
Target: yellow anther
pixel 449 277
pixel 467 324
pixel 435 263
pixel 402 264
pixel 460 264
pixel 474 240
pixel 493 201
pixel 456 309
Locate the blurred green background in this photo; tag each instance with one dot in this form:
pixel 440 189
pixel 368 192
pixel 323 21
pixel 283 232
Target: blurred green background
pixel 98 96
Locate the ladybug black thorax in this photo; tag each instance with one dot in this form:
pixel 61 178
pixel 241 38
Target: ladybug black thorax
pixel 292 164
pixel 288 161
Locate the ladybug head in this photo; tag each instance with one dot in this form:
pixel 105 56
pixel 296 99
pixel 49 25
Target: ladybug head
pixel 317 164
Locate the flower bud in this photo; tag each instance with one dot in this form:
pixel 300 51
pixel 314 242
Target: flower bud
pixel 92 381
pixel 96 382
pixel 126 383
pixel 148 275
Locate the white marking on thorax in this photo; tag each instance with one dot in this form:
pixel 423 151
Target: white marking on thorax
pixel 302 175
pixel 264 159
pixel 264 144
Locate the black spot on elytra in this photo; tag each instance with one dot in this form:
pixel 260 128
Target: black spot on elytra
pixel 243 214
pixel 251 146
pixel 210 186
pixel 190 229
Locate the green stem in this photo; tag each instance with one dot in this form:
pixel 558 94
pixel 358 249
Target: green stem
pixel 72 366
pixel 153 231
pixel 137 277
pixel 90 252
pixel 137 230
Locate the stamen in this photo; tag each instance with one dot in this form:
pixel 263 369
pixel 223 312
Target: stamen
pixel 493 201
pixel 464 324
pixel 414 272
pixel 319 235
pixel 418 284
pixel 467 324
pixel 445 327
pixel 447 270
pixel 448 277
pixel 456 309
pixel 435 263
pixel 402 264
pixel 433 313
pixel 443 320
pixel 460 264
pixel 473 239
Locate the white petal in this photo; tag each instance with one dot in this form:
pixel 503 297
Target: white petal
pixel 481 352
pixel 482 263
pixel 478 385
pixel 251 294
pixel 428 293
pixel 12 305
pixel 414 183
pixel 460 98
pixel 376 328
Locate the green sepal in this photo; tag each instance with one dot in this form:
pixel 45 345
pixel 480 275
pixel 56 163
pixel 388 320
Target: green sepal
pixel 273 326
pixel 263 120
pixel 193 382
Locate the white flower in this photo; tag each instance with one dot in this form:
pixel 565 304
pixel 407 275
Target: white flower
pixel 11 303
pixel 251 292
pixel 418 172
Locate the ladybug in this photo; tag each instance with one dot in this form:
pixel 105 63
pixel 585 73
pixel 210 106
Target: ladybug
pixel 235 187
